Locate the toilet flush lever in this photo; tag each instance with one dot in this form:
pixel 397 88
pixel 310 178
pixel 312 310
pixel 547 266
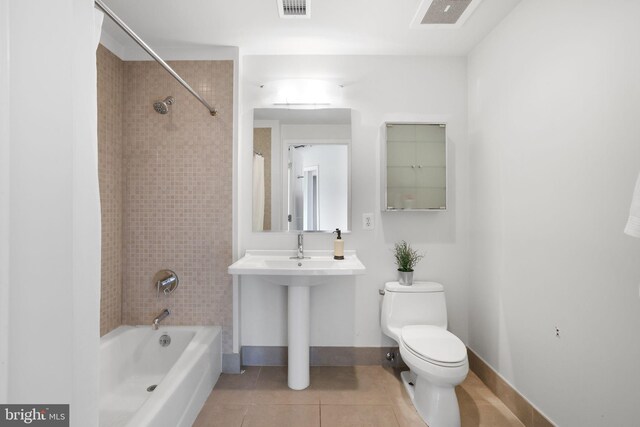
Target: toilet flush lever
pixel 381 291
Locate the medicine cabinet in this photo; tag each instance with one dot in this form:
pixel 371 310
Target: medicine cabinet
pixel 414 167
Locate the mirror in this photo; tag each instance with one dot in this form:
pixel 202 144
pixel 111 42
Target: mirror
pixel 301 169
pixel 414 167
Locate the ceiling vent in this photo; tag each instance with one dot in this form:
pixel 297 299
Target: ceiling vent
pixel 294 8
pixel 443 13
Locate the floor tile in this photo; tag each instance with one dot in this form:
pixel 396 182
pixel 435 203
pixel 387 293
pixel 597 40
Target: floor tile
pixel 282 416
pixel 221 416
pixel 338 396
pixel 407 416
pixel 271 388
pixel 244 381
pixel 234 389
pixel 358 416
pixel 394 386
pixel 350 385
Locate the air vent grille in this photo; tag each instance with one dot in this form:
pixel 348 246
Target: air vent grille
pixel 444 13
pixel 294 8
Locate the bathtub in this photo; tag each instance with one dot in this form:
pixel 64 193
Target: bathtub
pixel 133 361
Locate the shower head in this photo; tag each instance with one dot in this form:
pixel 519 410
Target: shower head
pixel 162 107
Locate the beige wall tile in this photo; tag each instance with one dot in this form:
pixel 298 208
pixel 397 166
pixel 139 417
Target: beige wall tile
pixel 110 87
pixel 177 197
pixel 165 185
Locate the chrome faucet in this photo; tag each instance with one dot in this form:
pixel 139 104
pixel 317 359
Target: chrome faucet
pixel 300 246
pixel 300 254
pixel 160 317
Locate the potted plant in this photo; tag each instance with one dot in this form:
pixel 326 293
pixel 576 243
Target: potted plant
pixel 406 260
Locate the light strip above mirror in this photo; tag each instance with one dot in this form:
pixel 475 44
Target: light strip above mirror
pixel 302 93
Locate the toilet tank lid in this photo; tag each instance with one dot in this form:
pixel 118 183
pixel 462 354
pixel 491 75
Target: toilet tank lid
pixel 416 287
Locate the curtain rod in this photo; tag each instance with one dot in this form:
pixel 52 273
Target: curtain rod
pixel 154 55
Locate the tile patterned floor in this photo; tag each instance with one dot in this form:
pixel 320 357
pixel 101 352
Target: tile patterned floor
pixel 352 396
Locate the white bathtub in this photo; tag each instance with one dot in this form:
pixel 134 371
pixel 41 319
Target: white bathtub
pixel 132 359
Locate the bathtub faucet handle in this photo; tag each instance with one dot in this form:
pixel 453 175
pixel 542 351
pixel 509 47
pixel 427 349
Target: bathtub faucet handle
pixel 166 281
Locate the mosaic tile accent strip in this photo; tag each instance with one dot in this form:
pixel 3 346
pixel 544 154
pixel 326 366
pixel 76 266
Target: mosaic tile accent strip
pixel 110 96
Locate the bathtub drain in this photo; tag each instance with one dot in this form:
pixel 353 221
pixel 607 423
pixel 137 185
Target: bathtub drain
pixel 152 387
pixel 165 340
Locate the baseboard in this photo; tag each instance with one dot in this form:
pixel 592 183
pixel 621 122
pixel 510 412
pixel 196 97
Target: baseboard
pixel 231 363
pixel 322 356
pixel 521 407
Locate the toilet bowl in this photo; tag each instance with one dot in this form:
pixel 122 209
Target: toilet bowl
pixel 415 317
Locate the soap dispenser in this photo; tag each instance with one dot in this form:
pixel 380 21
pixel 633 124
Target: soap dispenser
pixel 338 246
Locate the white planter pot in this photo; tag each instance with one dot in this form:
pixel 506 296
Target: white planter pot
pixel 405 278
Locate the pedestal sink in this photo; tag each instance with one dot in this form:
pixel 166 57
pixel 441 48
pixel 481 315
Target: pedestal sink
pixel 298 275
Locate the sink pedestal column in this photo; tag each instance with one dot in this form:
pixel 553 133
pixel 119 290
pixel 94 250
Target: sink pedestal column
pixel 298 325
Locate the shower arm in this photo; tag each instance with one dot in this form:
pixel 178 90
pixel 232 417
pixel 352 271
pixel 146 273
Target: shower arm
pixel 154 55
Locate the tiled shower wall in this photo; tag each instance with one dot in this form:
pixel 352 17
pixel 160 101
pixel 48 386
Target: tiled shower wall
pixel 174 206
pixel 177 197
pixel 110 87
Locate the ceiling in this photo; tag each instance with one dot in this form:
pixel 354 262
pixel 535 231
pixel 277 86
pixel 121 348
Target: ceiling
pixel 336 27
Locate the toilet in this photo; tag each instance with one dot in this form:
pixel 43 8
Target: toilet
pixel 416 317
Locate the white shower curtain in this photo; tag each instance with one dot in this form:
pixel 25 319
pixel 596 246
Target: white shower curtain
pixel 258 192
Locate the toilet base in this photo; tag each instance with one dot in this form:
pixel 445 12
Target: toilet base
pixel 436 405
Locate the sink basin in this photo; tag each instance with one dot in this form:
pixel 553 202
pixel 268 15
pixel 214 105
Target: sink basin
pixel 279 263
pixel 298 275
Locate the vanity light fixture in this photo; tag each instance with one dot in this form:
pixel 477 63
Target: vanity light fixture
pixel 302 93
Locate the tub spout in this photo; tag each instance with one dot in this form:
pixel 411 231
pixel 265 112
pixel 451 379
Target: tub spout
pixel 160 317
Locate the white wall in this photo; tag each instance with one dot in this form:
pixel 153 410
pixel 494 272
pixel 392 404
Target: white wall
pixel 346 313
pixel 554 125
pixel 5 87
pixel 52 259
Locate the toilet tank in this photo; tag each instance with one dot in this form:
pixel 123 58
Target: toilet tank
pixel 422 303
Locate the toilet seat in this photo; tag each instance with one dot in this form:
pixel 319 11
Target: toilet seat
pixel 434 345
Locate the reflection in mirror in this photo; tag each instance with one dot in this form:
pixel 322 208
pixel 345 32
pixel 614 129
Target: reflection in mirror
pixel 301 169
